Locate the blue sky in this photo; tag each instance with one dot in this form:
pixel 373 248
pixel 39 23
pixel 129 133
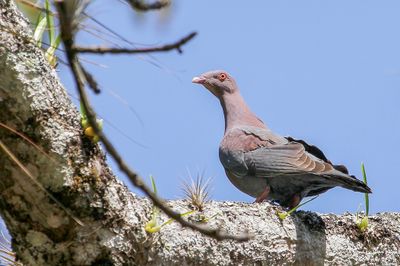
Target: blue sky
pixel 324 71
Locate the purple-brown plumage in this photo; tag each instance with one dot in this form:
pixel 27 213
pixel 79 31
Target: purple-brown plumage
pixel 263 164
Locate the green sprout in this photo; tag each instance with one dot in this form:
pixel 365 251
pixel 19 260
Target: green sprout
pixel 46 22
pixel 282 215
pixel 87 128
pixel 366 196
pixel 152 226
pixel 39 30
pixel 155 211
pixel 54 41
pixel 362 223
pixel 50 21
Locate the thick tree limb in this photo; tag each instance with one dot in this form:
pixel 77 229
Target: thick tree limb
pixel 33 101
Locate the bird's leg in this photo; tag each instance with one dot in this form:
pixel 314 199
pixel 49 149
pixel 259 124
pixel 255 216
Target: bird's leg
pixel 264 195
pixel 294 201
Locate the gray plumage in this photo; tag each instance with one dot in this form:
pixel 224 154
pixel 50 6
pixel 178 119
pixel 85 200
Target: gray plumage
pixel 265 165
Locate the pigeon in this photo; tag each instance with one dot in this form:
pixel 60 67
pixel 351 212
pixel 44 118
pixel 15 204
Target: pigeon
pixel 265 165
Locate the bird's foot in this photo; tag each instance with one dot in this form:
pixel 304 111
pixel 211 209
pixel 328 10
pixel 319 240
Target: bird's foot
pixel 294 202
pixel 264 195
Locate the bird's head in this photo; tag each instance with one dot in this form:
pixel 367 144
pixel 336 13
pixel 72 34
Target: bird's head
pixel 219 82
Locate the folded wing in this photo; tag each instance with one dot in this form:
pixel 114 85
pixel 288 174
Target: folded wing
pixel 292 160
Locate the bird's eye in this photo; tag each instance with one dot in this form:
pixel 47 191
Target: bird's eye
pixel 222 76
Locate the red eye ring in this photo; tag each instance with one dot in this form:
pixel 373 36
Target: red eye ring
pixel 222 76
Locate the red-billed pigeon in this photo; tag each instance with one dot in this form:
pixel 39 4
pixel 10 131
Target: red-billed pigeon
pixel 265 165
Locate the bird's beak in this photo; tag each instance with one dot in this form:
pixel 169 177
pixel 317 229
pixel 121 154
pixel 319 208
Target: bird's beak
pixel 199 80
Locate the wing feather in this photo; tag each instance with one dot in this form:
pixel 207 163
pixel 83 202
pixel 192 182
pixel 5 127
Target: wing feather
pixel 290 157
pixel 292 160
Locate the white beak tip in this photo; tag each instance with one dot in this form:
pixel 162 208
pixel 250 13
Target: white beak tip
pixel 198 80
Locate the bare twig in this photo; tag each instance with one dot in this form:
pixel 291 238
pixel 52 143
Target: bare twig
pixel 67 37
pixel 90 80
pixel 106 50
pixel 141 5
pixel 101 24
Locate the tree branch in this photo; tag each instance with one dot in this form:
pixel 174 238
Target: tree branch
pixel 104 50
pixel 78 75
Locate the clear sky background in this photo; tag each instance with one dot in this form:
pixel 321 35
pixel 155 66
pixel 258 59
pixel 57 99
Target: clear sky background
pixel 324 71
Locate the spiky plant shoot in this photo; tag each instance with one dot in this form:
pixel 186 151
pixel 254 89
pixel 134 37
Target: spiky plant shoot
pixel 197 192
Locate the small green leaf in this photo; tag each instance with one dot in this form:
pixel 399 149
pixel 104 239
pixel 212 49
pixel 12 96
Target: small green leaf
pixel 83 110
pixel 155 210
pixel 99 123
pixel 366 194
pixel 282 215
pixel 363 223
pixel 152 227
pixel 39 30
pixel 84 120
pixel 50 23
pixel 50 52
pixel 84 123
pixel 153 184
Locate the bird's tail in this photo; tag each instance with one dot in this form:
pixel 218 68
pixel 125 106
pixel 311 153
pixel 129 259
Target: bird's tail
pixel 352 183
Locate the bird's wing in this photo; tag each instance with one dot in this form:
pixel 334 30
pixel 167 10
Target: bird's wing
pixel 258 152
pixel 292 159
pixel 311 158
pixel 285 158
pixel 314 150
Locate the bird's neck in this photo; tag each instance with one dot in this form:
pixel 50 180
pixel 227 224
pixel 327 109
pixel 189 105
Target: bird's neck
pixel 237 113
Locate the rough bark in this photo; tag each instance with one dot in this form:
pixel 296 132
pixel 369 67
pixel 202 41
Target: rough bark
pixel 33 101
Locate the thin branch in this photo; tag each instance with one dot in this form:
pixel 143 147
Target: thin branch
pixel 106 50
pixel 109 29
pixel 90 80
pixel 141 5
pixel 134 178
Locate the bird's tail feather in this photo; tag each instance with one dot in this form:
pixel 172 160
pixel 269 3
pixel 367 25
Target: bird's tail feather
pixel 352 183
